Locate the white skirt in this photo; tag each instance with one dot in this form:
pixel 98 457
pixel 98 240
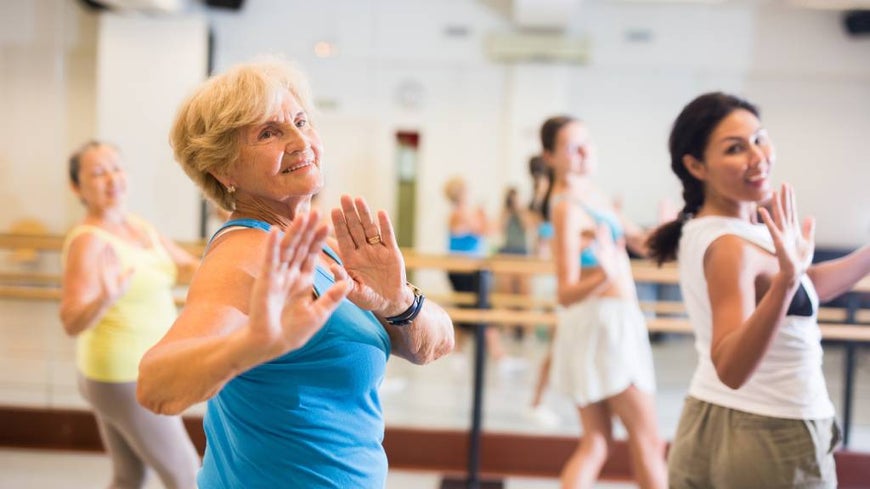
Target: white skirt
pixel 601 347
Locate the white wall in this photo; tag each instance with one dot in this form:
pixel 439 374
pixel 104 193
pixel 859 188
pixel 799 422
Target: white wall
pixel 477 118
pixel 146 67
pixel 481 119
pixel 35 39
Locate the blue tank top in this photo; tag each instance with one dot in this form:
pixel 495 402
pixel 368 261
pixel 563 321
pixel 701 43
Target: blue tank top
pixel 311 418
pixel 467 244
pixel 587 255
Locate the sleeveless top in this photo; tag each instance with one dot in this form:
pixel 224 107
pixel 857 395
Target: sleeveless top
pixel 110 350
pixel 515 235
pixel 310 418
pixel 788 382
pixel 467 244
pixel 588 259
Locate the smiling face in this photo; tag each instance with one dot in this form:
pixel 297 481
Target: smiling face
pixel 279 159
pixel 737 161
pixel 102 181
pixel 573 152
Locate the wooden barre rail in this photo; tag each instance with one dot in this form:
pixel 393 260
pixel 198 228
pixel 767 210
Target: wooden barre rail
pixel 643 270
pixel 504 317
pixel 499 300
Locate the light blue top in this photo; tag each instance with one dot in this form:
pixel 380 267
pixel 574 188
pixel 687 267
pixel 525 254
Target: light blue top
pixel 310 418
pixel 545 230
pixel 467 244
pixel 588 259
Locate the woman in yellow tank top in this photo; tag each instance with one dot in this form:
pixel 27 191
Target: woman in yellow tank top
pixel 117 302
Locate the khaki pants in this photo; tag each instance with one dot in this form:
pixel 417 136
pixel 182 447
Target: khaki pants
pixel 722 448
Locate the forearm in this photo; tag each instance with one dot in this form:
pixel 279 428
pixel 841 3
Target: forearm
pixel 737 355
pixel 427 338
pixel 77 317
pixel 179 374
pixel 592 283
pixel 835 277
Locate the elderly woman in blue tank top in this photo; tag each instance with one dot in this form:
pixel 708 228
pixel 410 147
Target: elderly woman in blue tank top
pixel 601 353
pixel 285 333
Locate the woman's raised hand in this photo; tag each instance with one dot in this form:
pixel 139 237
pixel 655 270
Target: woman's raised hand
pixel 371 257
pixel 794 243
pixel 284 312
pixel 114 280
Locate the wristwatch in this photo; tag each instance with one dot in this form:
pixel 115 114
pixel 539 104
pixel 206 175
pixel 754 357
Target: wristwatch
pixel 413 310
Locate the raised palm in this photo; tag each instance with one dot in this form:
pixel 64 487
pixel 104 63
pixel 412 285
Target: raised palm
pixel 370 255
pixel 113 278
pixel 284 312
pixel 794 243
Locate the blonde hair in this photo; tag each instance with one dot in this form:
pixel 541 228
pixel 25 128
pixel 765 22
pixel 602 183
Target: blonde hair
pixel 206 132
pixel 454 188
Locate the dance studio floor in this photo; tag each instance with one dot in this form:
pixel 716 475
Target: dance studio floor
pixel 37 369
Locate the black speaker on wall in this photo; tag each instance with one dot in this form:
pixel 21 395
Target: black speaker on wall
pixel 227 4
pixel 857 22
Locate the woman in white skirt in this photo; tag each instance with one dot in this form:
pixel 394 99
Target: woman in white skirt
pixel 601 353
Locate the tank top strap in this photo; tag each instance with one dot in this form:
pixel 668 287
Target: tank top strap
pixel 263 226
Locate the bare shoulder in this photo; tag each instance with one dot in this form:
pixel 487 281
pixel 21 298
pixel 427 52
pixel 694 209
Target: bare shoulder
pixel 725 251
pixel 85 243
pixel 732 259
pixel 228 270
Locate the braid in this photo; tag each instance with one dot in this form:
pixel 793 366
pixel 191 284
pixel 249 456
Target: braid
pixel 689 136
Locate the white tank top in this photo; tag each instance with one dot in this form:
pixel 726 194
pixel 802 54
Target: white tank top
pixel 788 382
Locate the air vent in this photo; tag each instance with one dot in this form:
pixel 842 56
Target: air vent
pixel 536 47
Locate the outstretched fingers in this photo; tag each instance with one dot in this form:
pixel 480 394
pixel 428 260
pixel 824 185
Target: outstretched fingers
pixel 370 230
pixel 772 226
pixel 388 236
pixel 809 230
pixel 352 221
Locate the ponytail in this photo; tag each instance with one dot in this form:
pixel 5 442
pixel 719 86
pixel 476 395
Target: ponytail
pixel 545 204
pixel 549 131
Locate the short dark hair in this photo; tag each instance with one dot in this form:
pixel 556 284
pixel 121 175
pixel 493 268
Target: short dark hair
pixel 75 159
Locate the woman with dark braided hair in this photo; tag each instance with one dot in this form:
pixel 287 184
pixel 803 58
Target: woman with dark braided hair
pixel 601 353
pixel 758 412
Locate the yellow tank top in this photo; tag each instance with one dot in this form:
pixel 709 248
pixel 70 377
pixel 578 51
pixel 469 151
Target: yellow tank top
pixel 110 350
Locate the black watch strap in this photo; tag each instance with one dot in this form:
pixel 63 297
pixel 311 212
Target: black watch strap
pixel 413 310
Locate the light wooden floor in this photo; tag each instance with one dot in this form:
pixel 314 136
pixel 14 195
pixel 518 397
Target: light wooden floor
pixel 37 369
pixel 44 469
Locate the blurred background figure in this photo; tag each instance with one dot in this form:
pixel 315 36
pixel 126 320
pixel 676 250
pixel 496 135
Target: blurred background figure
pixel 117 302
pixel 602 360
pixel 514 225
pixel 468 229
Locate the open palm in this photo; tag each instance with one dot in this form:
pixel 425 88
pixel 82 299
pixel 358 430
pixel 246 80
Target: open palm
pixel 284 313
pixel 114 280
pixel 794 243
pixel 370 255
